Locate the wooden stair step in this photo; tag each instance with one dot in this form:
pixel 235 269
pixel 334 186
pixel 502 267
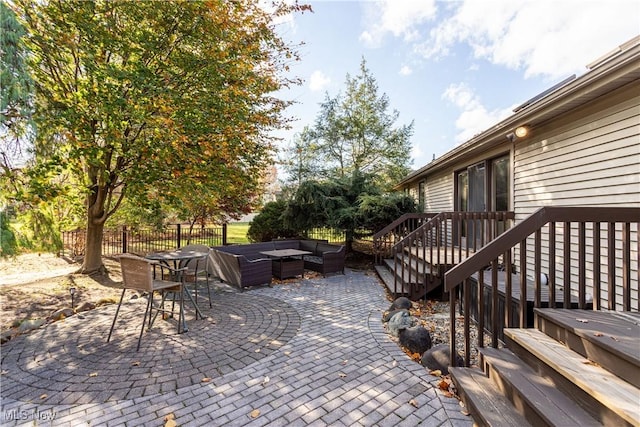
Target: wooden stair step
pixel 387 278
pixel 483 400
pixel 407 276
pixel 417 265
pixel 607 338
pixel 535 397
pixel 612 392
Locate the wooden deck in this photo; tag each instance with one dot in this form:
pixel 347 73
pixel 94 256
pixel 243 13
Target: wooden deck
pixel 515 289
pixel 515 299
pixel 438 255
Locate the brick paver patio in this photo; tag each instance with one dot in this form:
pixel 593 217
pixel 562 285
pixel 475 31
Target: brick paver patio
pixel 307 353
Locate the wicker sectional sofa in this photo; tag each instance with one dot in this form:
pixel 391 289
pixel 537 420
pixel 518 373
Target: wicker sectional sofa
pixel 244 266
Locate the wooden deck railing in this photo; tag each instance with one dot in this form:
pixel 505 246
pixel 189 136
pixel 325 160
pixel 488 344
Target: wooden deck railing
pixel 573 246
pixel 445 239
pixel 384 239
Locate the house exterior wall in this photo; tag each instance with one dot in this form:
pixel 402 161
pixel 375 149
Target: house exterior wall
pixel 590 157
pixel 439 190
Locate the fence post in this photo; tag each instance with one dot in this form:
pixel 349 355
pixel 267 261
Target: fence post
pixel 178 234
pixel 124 239
pixel 224 234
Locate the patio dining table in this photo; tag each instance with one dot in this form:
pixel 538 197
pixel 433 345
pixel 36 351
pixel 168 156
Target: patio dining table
pixel 179 258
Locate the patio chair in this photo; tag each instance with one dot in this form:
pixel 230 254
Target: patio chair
pixel 199 267
pixel 139 274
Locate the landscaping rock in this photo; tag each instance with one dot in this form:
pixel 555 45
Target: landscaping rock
pixel 6 336
pixel 439 358
pixel 390 314
pixel 85 306
pixel 416 339
pixel 61 314
pixel 399 303
pixel 400 320
pixel 30 324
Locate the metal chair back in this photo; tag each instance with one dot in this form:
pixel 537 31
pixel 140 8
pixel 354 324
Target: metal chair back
pixel 137 273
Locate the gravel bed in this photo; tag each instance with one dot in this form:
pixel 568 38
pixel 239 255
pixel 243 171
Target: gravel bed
pixel 434 316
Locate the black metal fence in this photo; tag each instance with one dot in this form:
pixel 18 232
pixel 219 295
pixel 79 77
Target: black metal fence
pixel 142 241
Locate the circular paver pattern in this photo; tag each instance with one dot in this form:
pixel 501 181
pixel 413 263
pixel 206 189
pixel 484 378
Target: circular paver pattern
pixel 70 362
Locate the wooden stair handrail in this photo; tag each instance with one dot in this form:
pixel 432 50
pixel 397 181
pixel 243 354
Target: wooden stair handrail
pixel 401 220
pixel 530 225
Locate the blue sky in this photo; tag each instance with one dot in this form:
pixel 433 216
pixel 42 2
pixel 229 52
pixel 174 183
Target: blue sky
pixel 455 68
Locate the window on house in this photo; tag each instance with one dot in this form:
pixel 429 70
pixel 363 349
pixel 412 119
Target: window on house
pixel 500 184
pixel 421 196
pixel 483 186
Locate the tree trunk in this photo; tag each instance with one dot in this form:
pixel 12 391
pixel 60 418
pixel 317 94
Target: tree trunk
pixel 93 247
pixel 95 225
pixel 349 236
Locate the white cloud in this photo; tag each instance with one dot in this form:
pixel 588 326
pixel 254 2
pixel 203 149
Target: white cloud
pixel 318 81
pixel 544 38
pixel 401 18
pixel 474 117
pixel 405 70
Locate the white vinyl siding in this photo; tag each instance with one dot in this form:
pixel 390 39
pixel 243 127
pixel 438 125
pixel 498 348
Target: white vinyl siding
pixel 439 196
pixel 590 158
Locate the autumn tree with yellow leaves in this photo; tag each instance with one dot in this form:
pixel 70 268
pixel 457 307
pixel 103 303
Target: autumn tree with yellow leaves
pixel 156 100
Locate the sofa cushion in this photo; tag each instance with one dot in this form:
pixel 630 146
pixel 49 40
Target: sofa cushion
pixel 308 245
pixel 313 259
pixel 325 247
pixel 286 244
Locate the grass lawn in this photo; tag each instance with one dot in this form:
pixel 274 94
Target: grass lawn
pixel 237 232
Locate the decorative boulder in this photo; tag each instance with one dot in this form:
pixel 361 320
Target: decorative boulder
pixel 85 306
pixel 416 339
pixel 439 358
pixel 61 314
pixel 398 321
pixel 390 314
pixel 399 303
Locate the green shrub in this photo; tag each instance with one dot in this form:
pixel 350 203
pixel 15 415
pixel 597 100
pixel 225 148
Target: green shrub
pixel 8 244
pixel 268 224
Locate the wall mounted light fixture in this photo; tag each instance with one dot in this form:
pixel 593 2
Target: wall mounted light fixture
pixel 522 131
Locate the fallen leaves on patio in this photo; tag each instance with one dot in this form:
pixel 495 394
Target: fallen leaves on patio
pixel 413 402
pixel 205 380
pixel 170 420
pixel 444 385
pixel 255 413
pixel 265 381
pixel 93 374
pixel 43 396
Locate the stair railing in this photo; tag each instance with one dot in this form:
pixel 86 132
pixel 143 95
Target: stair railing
pixel 581 245
pixel 384 239
pixel 444 240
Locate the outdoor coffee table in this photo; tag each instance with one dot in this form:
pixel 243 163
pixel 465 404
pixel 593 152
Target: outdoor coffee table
pixel 287 262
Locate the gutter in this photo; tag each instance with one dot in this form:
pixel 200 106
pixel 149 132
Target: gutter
pixel 606 70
